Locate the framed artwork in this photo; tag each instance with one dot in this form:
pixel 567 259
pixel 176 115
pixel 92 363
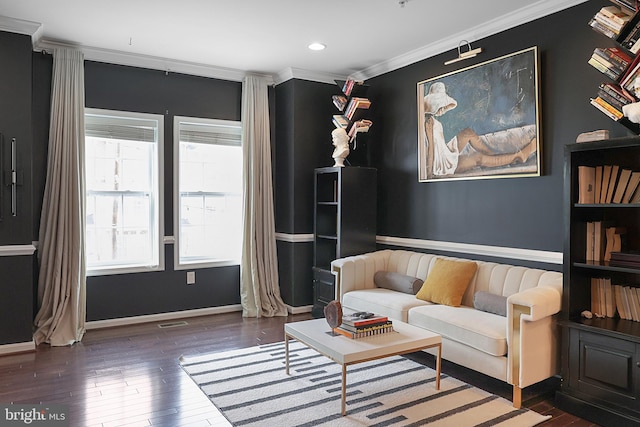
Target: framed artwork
pixel 482 121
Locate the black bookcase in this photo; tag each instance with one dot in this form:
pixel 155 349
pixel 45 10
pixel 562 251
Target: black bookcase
pixel 344 223
pixel 600 356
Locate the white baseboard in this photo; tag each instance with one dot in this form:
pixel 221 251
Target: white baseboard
pixel 299 310
pixel 160 317
pixel 21 347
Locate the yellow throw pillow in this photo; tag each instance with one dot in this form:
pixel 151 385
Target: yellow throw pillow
pixel 447 281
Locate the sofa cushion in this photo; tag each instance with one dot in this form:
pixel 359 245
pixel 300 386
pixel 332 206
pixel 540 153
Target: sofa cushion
pixel 397 282
pixel 491 303
pixel 447 281
pixel 381 301
pixel 478 329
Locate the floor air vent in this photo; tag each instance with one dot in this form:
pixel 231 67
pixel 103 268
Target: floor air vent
pixel 172 324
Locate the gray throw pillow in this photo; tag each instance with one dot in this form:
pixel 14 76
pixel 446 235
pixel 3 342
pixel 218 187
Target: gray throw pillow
pixel 397 282
pixel 491 303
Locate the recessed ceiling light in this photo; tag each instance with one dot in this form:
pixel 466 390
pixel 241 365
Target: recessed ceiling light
pixel 317 46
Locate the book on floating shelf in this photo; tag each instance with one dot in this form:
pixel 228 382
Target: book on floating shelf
pixel 634 180
pixel 340 101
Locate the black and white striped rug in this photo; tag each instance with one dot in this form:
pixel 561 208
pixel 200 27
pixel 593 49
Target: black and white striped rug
pixel 250 387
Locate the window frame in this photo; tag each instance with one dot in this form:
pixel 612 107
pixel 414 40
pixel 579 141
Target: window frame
pixel 159 199
pixel 192 265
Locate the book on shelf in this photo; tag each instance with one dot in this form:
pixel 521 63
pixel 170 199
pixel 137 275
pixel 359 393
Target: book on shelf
pixel 612 18
pixel 599 65
pixel 361 125
pixel 586 184
pixel 340 121
pixel 606 108
pixel 625 259
pixel 589 237
pixel 356 103
pixel 351 87
pixel 626 6
pixel 632 186
pixel 594 135
pixel 612 100
pixel 596 240
pixel 602 28
pixel 615 241
pixel 617 92
pixel 613 58
pixel 598 186
pixel 616 14
pixel 617 295
pixel 621 186
pixel 340 101
pixel 612 183
pixel 606 176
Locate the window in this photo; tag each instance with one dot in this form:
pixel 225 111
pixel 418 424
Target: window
pixel 208 196
pixel 123 163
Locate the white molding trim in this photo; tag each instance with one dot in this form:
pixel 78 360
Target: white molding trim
pixel 521 16
pixel 546 257
pixel 299 73
pixel 147 61
pixel 294 238
pixel 299 310
pixel 20 26
pixel 20 347
pixel 17 250
pixel 161 317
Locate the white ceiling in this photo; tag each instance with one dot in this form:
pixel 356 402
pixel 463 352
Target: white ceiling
pixel 227 39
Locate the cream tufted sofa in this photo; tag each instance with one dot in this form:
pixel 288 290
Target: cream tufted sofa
pixel 520 349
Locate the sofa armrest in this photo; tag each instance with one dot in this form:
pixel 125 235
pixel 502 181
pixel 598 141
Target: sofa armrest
pixel 532 335
pixel 356 272
pixel 541 301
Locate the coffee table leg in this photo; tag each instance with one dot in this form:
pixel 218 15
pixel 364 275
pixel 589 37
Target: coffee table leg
pixel 286 354
pixel 344 390
pixel 438 364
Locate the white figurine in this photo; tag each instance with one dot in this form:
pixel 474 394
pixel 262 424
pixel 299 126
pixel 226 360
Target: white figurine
pixel 341 142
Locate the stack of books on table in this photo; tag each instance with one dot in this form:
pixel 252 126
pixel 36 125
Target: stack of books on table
pixel 361 324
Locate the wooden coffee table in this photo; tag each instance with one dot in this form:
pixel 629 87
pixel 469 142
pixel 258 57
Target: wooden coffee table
pixel 317 335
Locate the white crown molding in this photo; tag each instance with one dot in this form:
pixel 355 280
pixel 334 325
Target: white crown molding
pixel 504 22
pixel 147 61
pixel 20 26
pixel 534 255
pixel 298 73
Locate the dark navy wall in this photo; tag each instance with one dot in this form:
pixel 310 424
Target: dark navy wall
pixel 512 212
pixel 303 142
pixel 16 286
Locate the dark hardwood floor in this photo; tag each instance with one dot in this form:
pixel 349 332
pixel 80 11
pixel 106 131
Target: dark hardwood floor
pixel 130 376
